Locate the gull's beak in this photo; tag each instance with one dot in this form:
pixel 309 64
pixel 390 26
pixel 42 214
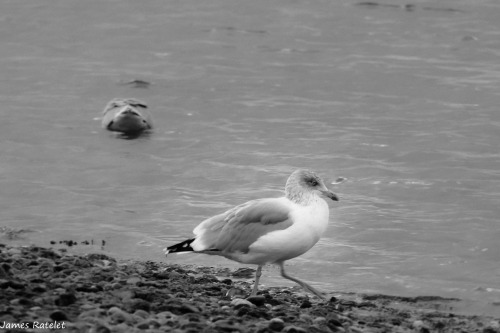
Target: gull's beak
pixel 329 194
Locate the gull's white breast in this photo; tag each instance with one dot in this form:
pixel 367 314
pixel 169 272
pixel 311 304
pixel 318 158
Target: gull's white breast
pixel 309 224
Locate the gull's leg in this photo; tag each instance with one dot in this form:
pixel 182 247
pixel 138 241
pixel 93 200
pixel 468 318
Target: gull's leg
pixel 258 273
pixel 301 283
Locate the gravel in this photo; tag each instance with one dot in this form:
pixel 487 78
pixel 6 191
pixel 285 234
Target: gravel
pixel 43 289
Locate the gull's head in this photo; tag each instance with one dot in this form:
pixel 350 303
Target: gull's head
pixel 303 186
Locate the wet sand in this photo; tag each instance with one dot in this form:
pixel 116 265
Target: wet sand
pixel 52 289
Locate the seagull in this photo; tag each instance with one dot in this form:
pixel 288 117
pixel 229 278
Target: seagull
pixel 269 230
pixel 126 115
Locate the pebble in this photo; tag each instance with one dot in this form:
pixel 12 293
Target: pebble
pixel 276 324
pixel 100 329
pixel 294 329
pixel 65 299
pixel 13 251
pixel 86 307
pixel 94 313
pixel 148 323
pixel 156 297
pixel 118 316
pixel 141 313
pixel 238 303
pixel 226 325
pixel 257 300
pixel 134 280
pixel 356 329
pixel 58 316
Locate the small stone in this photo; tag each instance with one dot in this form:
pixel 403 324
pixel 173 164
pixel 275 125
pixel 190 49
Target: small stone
pixel 101 329
pixel 141 313
pixel 118 316
pixel 226 325
pixel 65 299
pixel 94 313
pixel 143 325
pixel 333 323
pixel 240 302
pixel 319 320
pixel 86 307
pixel 133 280
pixel 420 326
pixel 306 304
pixel 294 329
pixel 186 308
pixel 490 329
pixel 276 324
pixel 258 300
pixel 14 250
pixel 148 323
pixel 137 304
pixel 58 315
pixel 304 317
pixel 114 285
pixel 332 299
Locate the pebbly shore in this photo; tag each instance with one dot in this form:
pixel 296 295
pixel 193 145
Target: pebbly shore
pixel 43 290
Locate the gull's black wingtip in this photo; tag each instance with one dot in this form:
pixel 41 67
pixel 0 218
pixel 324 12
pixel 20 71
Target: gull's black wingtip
pixel 184 246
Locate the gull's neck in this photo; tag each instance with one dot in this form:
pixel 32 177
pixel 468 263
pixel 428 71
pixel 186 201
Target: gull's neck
pixel 299 196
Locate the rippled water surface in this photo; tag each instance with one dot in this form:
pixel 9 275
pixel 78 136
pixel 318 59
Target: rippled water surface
pixel 402 102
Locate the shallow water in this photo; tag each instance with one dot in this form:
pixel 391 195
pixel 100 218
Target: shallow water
pixel 401 103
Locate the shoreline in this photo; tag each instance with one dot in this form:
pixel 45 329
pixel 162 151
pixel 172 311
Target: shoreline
pixel 97 293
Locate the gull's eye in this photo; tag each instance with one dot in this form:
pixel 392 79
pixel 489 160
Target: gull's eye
pixel 313 182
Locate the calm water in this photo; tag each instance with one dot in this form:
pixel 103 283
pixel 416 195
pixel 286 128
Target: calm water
pixel 403 104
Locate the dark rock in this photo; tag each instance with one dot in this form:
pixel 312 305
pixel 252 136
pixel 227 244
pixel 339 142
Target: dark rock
pixel 260 312
pixel 227 282
pixel 258 300
pixel 4 284
pixel 5 271
pixel 367 305
pixel 89 288
pixel 24 301
pixel 333 324
pixel 306 304
pixel 243 273
pixel 39 289
pixel 242 311
pixel 65 299
pixel 58 315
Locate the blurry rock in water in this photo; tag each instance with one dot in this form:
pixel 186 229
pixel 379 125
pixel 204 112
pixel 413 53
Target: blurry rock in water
pixel 408 7
pixel 137 83
pixel 126 115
